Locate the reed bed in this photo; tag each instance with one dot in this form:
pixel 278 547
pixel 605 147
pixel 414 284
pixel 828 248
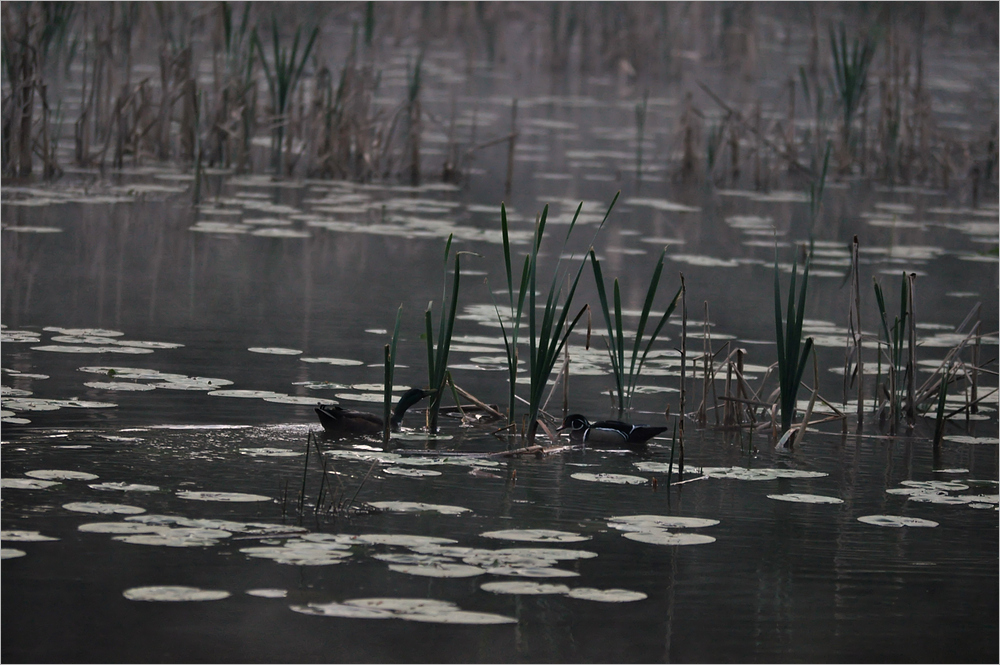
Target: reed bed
pixel 864 88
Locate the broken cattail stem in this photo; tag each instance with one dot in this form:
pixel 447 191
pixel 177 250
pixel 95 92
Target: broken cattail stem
pixel 510 151
pixel 911 365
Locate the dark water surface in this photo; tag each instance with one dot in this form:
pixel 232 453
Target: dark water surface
pixel 782 581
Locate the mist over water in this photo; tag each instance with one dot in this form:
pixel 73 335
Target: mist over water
pixel 126 305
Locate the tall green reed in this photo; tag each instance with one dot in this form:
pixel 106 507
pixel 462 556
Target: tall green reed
pixel 547 334
pixel 625 380
pixel 894 336
pixel 390 369
pixel 850 75
pixel 282 81
pixel 792 353
pixel 437 358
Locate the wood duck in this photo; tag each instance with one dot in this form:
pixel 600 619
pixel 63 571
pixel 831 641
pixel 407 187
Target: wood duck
pixel 342 422
pixel 608 433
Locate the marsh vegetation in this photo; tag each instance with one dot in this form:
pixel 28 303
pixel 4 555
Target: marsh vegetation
pixel 769 228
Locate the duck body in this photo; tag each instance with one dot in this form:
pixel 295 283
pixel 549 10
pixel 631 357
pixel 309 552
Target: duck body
pixel 344 422
pixel 608 433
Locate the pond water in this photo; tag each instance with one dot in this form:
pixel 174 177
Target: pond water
pixel 128 314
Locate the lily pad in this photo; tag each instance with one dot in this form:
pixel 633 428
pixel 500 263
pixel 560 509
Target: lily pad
pixel 940 485
pixel 437 569
pixel 613 478
pixel 57 474
pixel 536 535
pixel 342 611
pixel 21 536
pixel 275 350
pixel 98 508
pixel 805 498
pixel 25 484
pixel 531 571
pixel 343 362
pixel 299 399
pixel 975 440
pixel 11 553
pixel 412 473
pixel 221 496
pixel 163 536
pixel 896 521
pixel 660 522
pixel 244 393
pixel 400 540
pixel 300 555
pixel 412 506
pixel 662 537
pixel 459 617
pixel 269 452
pixel 267 593
pixel 125 487
pixel 172 594
pixel 525 588
pixel 606 595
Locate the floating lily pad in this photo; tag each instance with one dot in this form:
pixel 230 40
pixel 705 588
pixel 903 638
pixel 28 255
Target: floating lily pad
pixel 244 393
pixel 412 559
pixel 98 508
pixel 400 540
pixel 438 569
pixel 71 348
pixel 661 537
pixel 11 553
pixel 934 497
pixel 378 398
pixel 613 478
pixel 172 594
pixel 119 528
pixel 942 485
pixel 267 593
pixel 21 536
pixel 140 344
pixel 236 497
pixel 345 362
pixel 120 386
pixel 33 229
pixel 269 452
pixel 300 554
pixel 25 484
pixel 275 350
pixel 458 617
pixel 660 522
pixel 896 521
pixel 163 536
pixel 541 571
pixel 299 399
pixel 536 535
pixel 320 385
pixel 341 611
pixel 407 605
pixel 606 595
pixel 525 588
pixel 412 473
pixel 975 440
pixel 56 474
pixel 805 498
pixel 410 435
pixel 125 487
pixel 412 506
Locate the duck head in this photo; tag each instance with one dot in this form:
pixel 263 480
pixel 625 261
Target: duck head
pixel 576 423
pixel 406 400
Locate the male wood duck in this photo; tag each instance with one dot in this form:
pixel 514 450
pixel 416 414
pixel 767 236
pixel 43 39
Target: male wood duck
pixel 342 422
pixel 608 433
